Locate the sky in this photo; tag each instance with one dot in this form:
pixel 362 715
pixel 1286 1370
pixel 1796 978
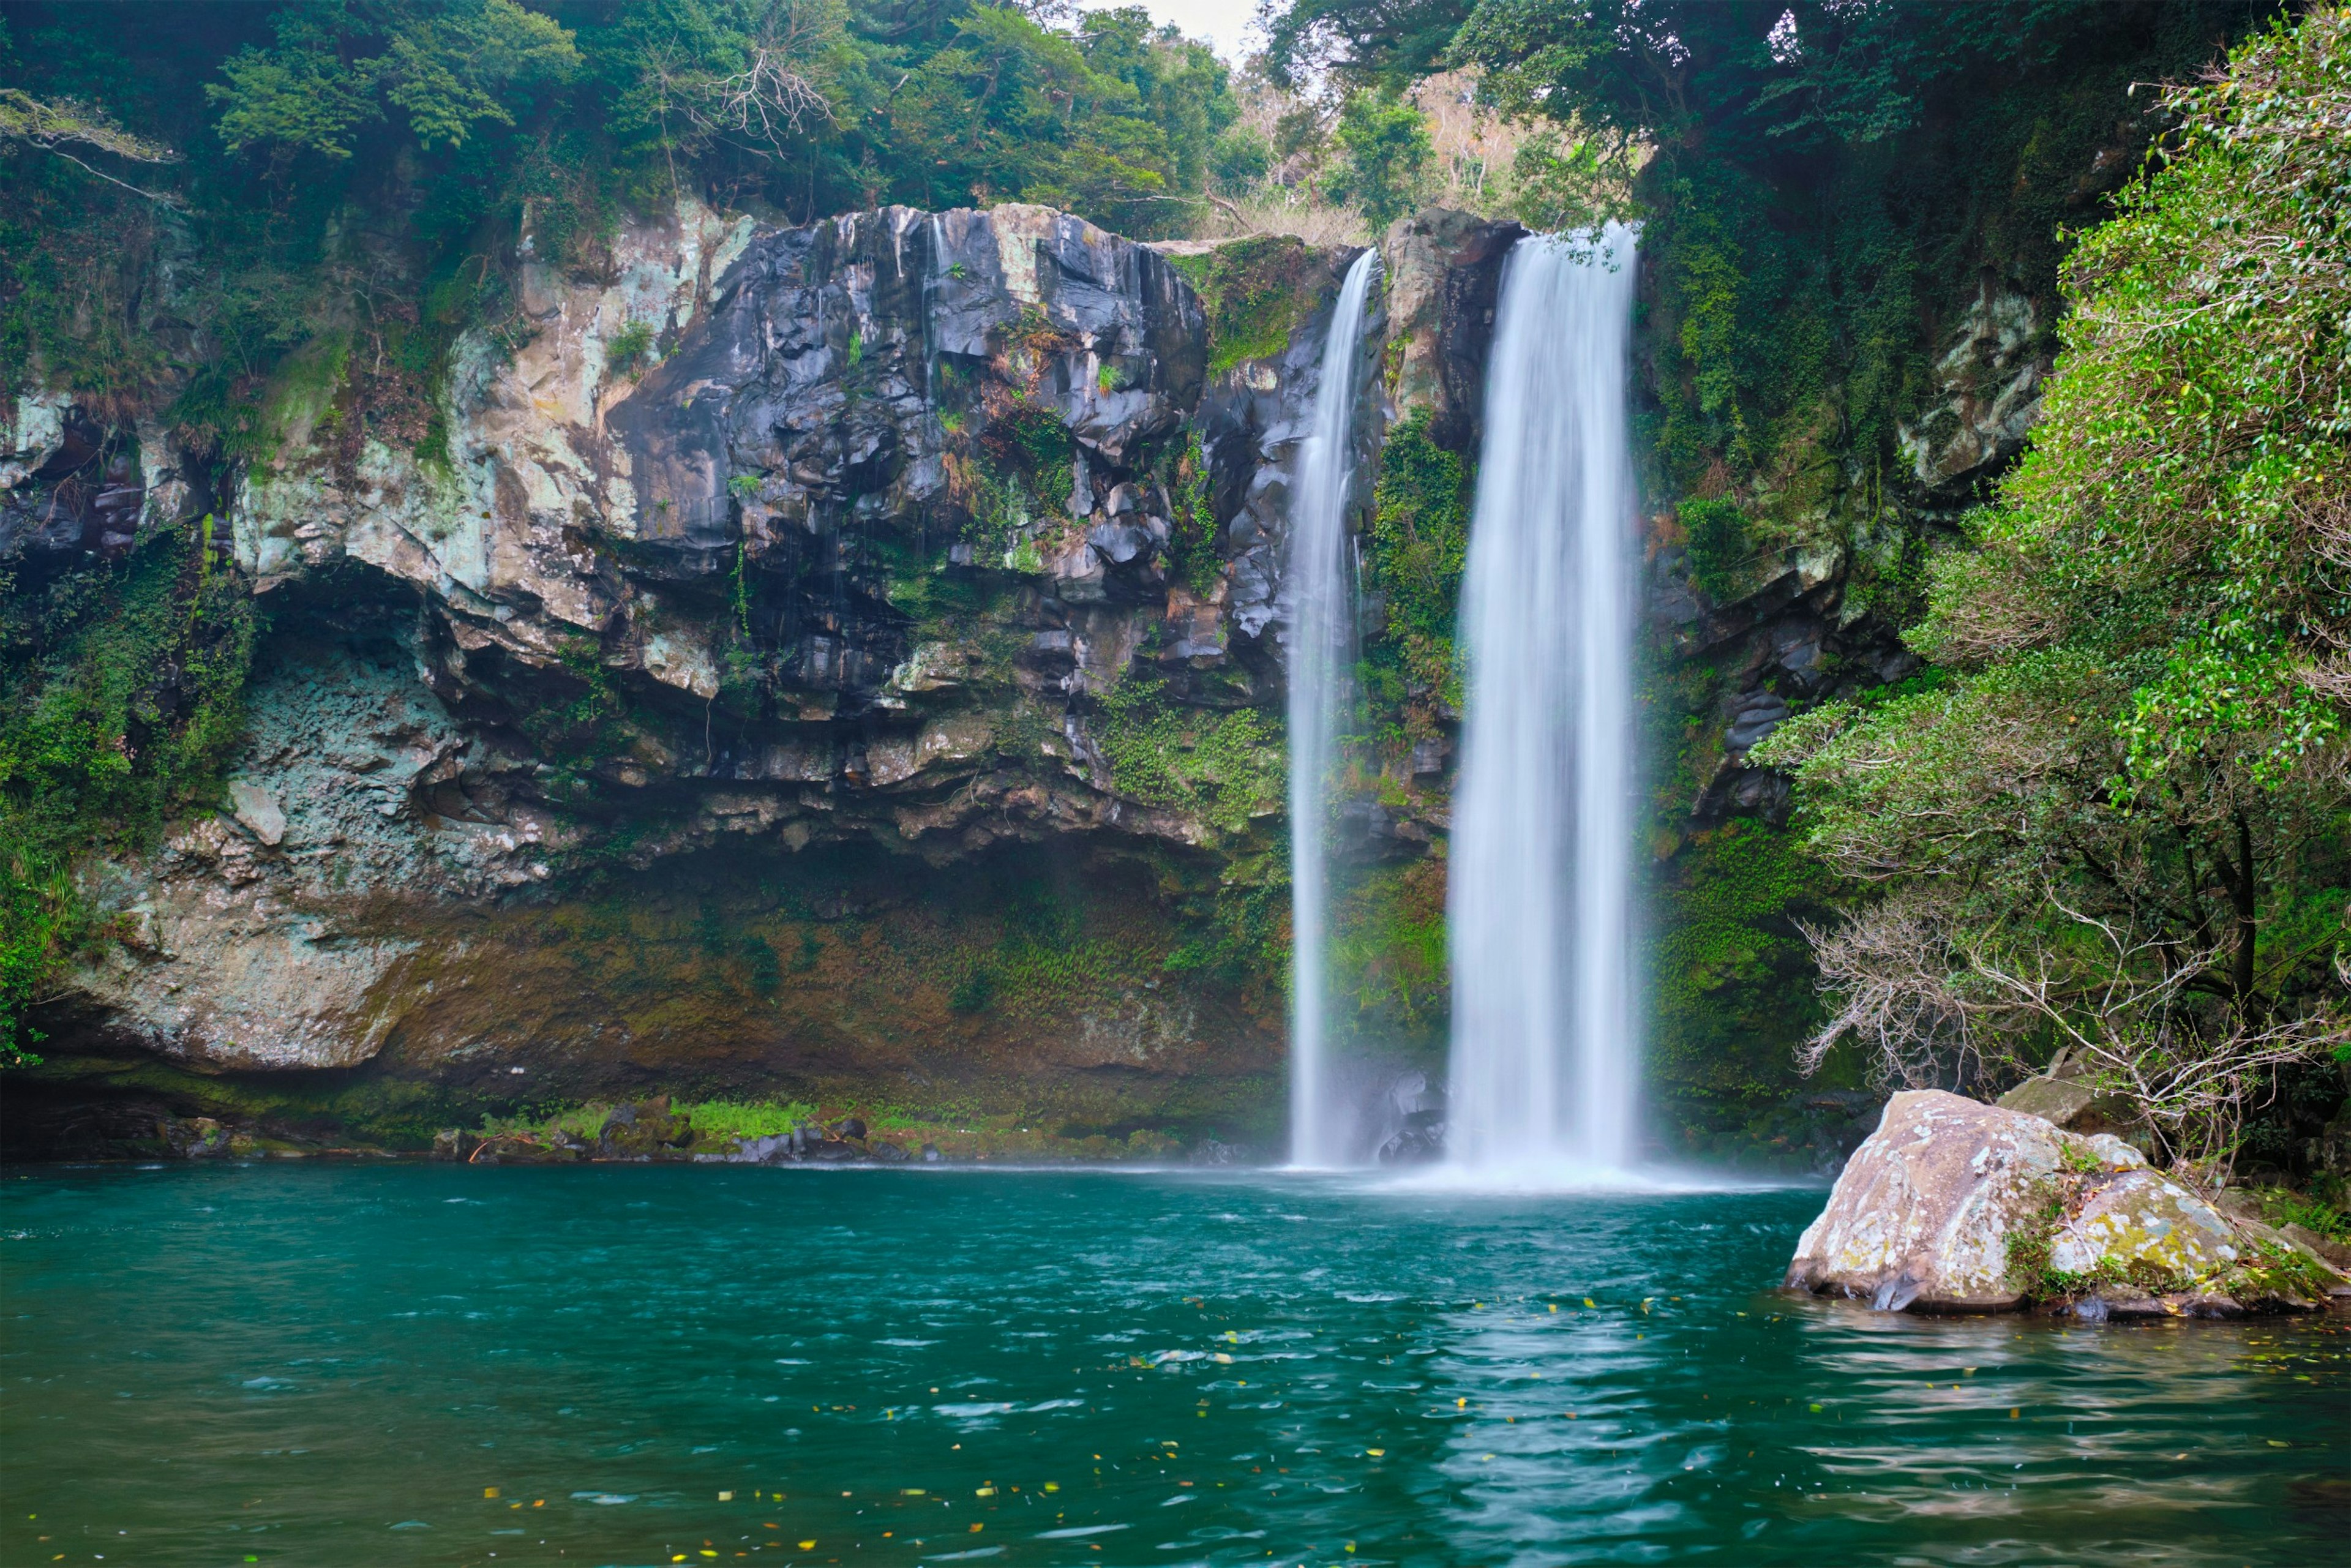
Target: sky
pixel 1229 25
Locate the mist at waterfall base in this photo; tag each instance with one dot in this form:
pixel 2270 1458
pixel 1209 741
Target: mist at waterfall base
pixel 1320 582
pixel 1545 1058
pixel 397 1365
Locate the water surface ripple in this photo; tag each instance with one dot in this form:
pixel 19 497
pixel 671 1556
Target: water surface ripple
pixel 406 1365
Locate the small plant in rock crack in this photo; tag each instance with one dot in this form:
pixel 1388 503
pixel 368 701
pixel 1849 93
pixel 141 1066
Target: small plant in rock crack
pixel 629 348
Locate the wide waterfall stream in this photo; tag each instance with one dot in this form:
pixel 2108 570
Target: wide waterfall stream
pixel 1321 583
pixel 393 1364
pixel 1544 1061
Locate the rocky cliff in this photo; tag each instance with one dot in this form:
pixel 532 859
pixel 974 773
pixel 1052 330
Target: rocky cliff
pixel 844 662
pixel 834 660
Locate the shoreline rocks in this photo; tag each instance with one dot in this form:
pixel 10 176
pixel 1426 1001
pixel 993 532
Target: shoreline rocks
pixel 1952 1206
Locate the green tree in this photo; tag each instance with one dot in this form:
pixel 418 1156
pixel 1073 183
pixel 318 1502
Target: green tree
pixel 1384 153
pixel 2122 828
pixel 449 67
pixel 1240 158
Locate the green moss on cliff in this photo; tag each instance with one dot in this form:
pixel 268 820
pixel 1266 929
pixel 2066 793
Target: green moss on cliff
pixel 1255 292
pixel 1388 950
pixel 1192 544
pixel 1420 548
pixel 121 691
pixel 1732 975
pixel 1717 531
pixel 1222 766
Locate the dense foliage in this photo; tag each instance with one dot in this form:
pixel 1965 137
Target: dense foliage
pixel 2124 831
pixel 364 164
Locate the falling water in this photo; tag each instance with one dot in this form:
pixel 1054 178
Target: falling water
pixel 1322 631
pixel 1545 1054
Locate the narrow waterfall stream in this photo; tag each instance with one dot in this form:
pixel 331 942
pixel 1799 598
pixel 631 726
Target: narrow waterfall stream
pixel 1322 654
pixel 1544 1055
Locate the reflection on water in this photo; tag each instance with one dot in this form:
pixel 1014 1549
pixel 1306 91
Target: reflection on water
pixel 636 1364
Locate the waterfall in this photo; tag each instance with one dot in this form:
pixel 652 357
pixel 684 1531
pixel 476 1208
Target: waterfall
pixel 1321 655
pixel 1545 1060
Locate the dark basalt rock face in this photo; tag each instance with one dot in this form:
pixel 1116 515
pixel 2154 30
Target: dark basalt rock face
pixel 846 366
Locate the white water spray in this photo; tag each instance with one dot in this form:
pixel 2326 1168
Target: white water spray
pixel 1545 1060
pixel 1322 654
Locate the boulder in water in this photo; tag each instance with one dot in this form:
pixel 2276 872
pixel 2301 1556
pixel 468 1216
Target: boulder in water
pixel 1952 1206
